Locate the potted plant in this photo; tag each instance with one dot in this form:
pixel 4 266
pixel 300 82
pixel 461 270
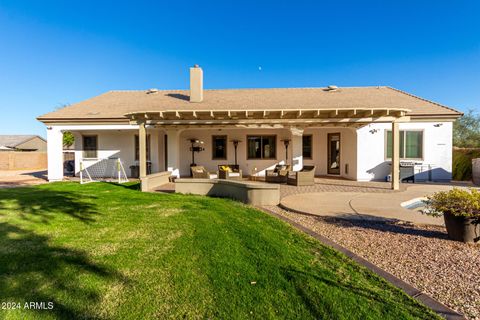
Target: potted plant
pixel 460 209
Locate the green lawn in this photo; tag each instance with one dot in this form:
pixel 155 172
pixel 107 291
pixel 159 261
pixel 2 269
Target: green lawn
pixel 108 251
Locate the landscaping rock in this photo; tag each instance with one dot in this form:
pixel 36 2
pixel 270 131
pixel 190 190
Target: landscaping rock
pixel 422 256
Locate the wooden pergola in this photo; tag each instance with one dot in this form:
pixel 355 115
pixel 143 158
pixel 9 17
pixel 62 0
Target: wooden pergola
pixel 272 118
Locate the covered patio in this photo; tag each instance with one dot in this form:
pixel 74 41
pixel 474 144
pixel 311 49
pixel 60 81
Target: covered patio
pixel 286 127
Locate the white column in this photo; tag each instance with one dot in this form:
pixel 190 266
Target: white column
pixel 395 156
pixel 142 146
pixel 154 152
pixel 55 154
pixel 297 148
pixel 173 152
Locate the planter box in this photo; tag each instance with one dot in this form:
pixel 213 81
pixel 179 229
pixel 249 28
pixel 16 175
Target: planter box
pixel 462 229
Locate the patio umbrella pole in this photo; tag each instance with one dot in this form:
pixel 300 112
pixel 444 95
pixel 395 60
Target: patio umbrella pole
pixel 235 145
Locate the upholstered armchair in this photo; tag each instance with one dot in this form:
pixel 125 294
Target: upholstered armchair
pixel 278 175
pixel 304 177
pixel 229 172
pixel 199 172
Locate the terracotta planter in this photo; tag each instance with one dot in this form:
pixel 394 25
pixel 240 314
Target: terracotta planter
pixel 463 229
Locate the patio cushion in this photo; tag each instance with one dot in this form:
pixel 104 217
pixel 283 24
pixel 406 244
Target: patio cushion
pixel 226 168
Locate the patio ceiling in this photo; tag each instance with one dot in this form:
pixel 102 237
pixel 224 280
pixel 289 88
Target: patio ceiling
pixel 270 117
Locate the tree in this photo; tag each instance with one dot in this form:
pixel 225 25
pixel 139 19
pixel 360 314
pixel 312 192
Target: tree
pixel 68 139
pixel 466 131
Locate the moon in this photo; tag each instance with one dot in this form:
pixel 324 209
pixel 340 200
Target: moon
pixel 259 68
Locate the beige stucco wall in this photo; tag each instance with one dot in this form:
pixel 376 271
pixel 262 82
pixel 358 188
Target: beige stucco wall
pixel 348 143
pixel 254 193
pixel 348 154
pixel 204 158
pixel 13 160
pixel 119 144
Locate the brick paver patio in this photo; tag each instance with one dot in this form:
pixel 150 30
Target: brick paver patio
pixel 327 184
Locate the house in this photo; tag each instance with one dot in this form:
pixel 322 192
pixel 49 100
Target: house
pixel 350 132
pixel 22 143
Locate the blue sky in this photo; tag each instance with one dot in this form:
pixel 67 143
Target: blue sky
pixel 60 52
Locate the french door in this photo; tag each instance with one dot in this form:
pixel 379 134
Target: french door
pixel 333 146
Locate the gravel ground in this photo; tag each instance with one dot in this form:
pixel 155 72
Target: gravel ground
pixel 422 256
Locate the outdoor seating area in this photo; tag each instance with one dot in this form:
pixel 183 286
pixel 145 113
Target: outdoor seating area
pixel 199 172
pixel 280 174
pixel 230 172
pixel 304 177
pixel 277 175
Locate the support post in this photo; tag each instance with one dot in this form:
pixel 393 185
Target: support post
pixel 55 154
pixel 142 145
pixel 173 152
pixel 395 156
pixel 297 148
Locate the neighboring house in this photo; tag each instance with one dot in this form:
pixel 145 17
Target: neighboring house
pixel 22 143
pixel 345 132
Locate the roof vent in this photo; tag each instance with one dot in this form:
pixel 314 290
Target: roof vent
pixel 153 90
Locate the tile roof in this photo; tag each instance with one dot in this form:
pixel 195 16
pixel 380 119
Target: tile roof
pixel 11 141
pixel 115 104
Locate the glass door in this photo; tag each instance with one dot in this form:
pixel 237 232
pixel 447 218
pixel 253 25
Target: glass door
pixel 333 153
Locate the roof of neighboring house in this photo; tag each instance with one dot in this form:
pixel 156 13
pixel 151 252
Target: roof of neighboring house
pixel 115 104
pixel 12 141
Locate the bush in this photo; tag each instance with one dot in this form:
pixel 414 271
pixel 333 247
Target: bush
pixel 462 163
pixel 458 202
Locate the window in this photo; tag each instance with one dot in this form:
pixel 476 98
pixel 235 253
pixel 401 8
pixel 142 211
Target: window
pixel 137 148
pixel 219 147
pixel 262 147
pixel 307 146
pixel 411 144
pixel 89 146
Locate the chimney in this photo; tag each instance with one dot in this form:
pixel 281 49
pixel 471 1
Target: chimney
pixel 196 84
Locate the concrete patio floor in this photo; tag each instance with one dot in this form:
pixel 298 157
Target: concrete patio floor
pixel 361 200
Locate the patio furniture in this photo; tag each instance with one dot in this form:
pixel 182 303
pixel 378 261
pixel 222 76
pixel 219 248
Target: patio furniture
pixel 304 177
pixel 199 172
pixel 278 175
pixel 230 171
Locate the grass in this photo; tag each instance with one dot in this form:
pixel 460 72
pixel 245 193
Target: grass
pixel 108 251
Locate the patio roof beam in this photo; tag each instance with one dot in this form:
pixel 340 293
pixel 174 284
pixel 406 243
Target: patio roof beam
pixel 333 114
pixel 352 113
pixel 315 121
pixel 329 115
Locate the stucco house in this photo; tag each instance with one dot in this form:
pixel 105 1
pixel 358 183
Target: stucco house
pixel 350 132
pixel 22 143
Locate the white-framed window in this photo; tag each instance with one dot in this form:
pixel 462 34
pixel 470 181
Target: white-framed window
pixel 411 144
pixel 219 147
pixel 261 147
pixel 307 146
pixel 90 146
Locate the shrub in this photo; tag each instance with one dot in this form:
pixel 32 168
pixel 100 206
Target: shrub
pixel 458 202
pixel 462 163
